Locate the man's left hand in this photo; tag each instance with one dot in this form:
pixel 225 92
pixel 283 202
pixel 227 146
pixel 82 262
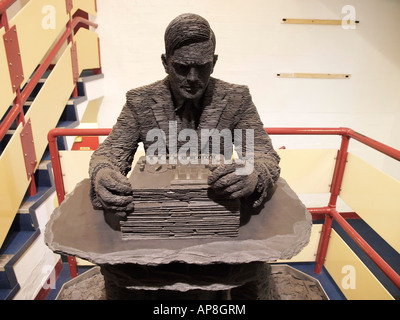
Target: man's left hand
pixel 225 180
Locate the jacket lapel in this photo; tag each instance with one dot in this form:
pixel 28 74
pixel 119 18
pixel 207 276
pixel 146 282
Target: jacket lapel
pixel 214 104
pixel 163 109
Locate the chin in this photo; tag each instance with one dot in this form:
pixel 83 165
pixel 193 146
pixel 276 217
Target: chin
pixel 192 96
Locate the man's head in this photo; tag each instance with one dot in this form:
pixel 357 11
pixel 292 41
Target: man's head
pixel 189 59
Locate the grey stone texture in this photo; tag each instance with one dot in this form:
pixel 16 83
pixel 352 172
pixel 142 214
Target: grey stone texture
pixel 279 229
pixel 274 224
pixel 285 283
pixel 191 99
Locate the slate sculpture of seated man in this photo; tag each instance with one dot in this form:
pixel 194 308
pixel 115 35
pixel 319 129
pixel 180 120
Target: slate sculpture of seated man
pixel 187 99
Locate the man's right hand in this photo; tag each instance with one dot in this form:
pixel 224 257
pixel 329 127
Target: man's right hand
pixel 114 191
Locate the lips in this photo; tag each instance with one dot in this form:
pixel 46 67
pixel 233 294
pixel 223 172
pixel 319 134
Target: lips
pixel 191 89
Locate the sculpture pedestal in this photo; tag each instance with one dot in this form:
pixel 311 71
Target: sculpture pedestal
pixel 186 281
pixel 278 230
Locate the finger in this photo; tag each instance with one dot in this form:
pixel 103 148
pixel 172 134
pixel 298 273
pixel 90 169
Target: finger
pixel 116 189
pixel 219 172
pixel 115 208
pixel 130 207
pixel 120 178
pixel 230 189
pixel 227 180
pixel 122 211
pixel 111 199
pixel 212 167
pixel 239 194
pixel 120 189
pixel 117 184
pixel 118 201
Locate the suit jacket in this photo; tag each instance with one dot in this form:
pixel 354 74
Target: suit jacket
pixel 225 106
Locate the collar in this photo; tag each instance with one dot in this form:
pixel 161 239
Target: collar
pixel 207 99
pixel 179 104
pixel 197 105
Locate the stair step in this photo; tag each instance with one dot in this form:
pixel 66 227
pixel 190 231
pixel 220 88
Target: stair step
pixel 8 294
pixel 23 232
pixel 25 228
pixel 4 259
pixel 44 164
pixel 25 206
pixel 16 240
pixel 7 276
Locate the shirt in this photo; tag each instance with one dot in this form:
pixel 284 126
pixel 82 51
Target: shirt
pixel 188 115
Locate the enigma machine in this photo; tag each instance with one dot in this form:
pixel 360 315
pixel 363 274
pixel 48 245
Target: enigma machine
pixel 175 201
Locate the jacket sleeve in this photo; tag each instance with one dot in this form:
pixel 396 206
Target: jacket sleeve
pixel 259 150
pixel 118 149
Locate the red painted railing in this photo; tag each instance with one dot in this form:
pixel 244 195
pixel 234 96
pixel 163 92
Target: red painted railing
pixel 16 111
pixel 21 98
pixel 53 149
pixel 329 211
pixel 5 4
pixel 57 172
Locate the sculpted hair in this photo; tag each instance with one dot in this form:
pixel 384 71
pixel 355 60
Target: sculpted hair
pixel 186 29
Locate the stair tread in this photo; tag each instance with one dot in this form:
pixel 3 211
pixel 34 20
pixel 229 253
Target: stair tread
pixel 4 258
pixel 15 240
pixel 6 294
pixel 43 164
pixel 24 208
pixel 21 237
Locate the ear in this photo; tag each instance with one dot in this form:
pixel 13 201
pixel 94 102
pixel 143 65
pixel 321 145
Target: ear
pixel 165 62
pixel 214 61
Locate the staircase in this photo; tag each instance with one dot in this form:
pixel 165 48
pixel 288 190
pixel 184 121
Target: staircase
pixel 57 69
pixel 27 228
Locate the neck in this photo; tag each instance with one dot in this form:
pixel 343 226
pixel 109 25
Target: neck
pixel 180 101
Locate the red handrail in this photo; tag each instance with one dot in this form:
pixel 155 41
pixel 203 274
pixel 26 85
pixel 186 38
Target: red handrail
pixel 18 103
pixel 330 211
pixel 389 151
pixel 21 97
pixel 5 4
pixel 58 178
pixel 375 257
pixel 333 214
pixel 55 159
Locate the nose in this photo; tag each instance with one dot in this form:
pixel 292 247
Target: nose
pixel 192 75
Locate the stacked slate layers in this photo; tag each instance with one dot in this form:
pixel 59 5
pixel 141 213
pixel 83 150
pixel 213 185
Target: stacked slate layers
pixel 175 201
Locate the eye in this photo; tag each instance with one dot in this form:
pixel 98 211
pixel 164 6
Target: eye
pixel 206 66
pixel 181 69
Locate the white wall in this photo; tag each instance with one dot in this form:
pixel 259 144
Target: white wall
pixel 253 46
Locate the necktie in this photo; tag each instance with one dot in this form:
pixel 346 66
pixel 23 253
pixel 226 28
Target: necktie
pixel 189 116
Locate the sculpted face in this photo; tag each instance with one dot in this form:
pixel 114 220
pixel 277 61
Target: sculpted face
pixel 189 69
